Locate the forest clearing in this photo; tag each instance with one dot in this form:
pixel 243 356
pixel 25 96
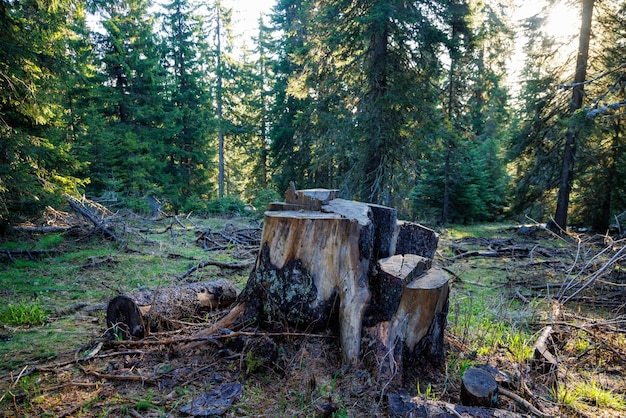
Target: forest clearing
pixel 505 283
pixel 471 145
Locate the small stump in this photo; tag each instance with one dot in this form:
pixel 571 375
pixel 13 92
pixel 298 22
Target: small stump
pixel 478 388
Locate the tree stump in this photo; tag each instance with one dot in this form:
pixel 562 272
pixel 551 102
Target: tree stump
pixel 135 315
pixel 330 263
pixel 478 388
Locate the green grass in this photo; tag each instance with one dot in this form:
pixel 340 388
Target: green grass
pixel 580 394
pixel 23 314
pixel 32 291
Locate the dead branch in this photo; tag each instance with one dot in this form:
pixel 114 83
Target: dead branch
pixel 31 254
pixel 43 229
pixel 543 357
pixel 83 210
pixel 212 338
pixel 124 377
pixel 522 402
pixel 592 278
pixel 220 264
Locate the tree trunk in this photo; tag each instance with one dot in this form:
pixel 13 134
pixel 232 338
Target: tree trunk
pixel 569 153
pixel 336 268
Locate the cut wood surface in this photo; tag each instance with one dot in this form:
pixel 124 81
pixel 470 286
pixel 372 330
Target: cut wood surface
pixel 422 301
pixel 306 260
pixel 386 285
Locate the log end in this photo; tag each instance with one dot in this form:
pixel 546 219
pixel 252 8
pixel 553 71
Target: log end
pixel 124 319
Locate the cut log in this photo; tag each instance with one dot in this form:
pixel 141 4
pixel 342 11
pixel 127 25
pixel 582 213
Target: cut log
pixel 420 319
pixel 415 332
pixel 387 283
pixel 478 388
pixel 158 309
pixel 124 319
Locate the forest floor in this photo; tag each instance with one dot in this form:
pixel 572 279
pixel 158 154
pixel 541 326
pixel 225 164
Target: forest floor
pixel 510 286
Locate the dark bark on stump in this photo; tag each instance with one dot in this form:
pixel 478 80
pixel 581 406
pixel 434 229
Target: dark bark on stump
pixel 416 239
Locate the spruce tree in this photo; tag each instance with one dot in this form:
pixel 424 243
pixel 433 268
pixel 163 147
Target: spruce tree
pixel 130 101
pixel 189 152
pixel 36 165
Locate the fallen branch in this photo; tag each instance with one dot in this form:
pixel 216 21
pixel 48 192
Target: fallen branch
pixel 125 377
pixel 592 278
pixel 43 229
pixel 28 253
pixel 220 264
pixel 546 360
pixel 523 402
pixel 98 225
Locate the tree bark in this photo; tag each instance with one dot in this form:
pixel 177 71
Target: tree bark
pixel 567 169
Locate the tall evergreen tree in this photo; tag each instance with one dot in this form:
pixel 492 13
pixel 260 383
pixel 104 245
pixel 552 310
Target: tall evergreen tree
pixel 576 103
pixel 289 148
pixel 462 176
pixel 189 152
pixel 538 129
pixel 601 177
pixel 131 101
pixel 36 166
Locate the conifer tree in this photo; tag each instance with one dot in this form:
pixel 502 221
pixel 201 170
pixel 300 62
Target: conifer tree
pixel 538 129
pixel 289 148
pixel 36 165
pixel 189 152
pixel 131 100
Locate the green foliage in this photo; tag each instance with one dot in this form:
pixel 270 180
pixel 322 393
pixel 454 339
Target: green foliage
pixel 51 241
pixel 24 313
pixel 264 197
pixel 580 394
pixel 226 205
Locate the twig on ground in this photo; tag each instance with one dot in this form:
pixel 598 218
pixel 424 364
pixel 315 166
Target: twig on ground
pixel 521 401
pixel 240 265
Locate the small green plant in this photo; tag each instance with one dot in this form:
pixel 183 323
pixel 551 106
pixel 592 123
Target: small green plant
pixel 252 363
pixel 593 394
pixel 428 393
pixel 583 392
pixel 24 314
pixel 520 350
pixel 341 413
pixel 226 205
pixel 264 197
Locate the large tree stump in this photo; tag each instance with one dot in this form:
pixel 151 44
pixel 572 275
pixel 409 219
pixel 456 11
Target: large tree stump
pixel 330 263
